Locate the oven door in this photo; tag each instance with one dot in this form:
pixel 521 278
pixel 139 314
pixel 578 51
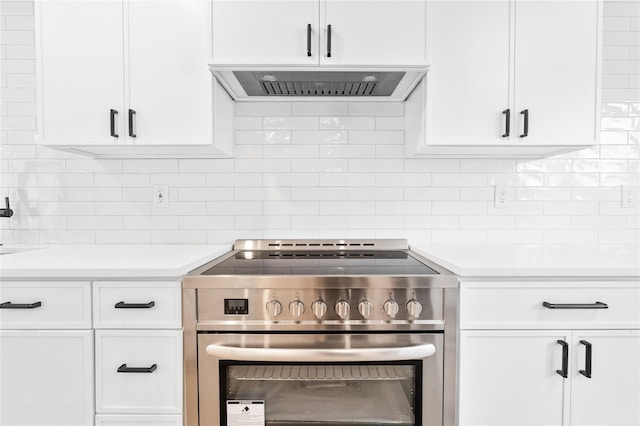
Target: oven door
pixel 320 379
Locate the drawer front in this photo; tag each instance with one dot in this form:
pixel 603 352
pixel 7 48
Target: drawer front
pixel 139 372
pixel 136 305
pixel 502 305
pixel 45 305
pixel 138 420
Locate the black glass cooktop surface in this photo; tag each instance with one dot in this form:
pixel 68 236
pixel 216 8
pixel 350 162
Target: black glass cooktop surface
pixel 321 263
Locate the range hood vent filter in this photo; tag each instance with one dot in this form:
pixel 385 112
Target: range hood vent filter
pixel 319 83
pixel 303 88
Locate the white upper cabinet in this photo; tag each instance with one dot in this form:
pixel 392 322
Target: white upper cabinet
pixel 373 32
pixel 265 32
pixel 557 72
pixel 169 83
pixel 297 32
pixel 126 78
pixel 517 78
pixel 468 86
pixel 81 77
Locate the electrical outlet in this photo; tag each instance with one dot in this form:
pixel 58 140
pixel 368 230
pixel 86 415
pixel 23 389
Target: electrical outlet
pixel 501 196
pixel 629 196
pixel 160 196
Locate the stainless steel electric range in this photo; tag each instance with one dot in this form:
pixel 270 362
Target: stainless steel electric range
pixel 322 332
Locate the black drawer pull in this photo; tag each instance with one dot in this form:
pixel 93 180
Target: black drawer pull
pixel 328 41
pixel 565 359
pixel 124 369
pixel 112 122
pixel 308 39
pixel 9 305
pixel 597 305
pixel 587 361
pixel 507 122
pixel 525 133
pixel 132 124
pixel 123 305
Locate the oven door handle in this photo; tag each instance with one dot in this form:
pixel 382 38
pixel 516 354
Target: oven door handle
pixel 235 353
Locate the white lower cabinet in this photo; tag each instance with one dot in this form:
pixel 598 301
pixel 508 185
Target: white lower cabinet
pixel 549 353
pixel 509 378
pixel 138 341
pixel 46 377
pixel 139 371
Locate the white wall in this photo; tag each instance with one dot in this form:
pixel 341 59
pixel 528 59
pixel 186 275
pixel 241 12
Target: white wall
pixel 320 170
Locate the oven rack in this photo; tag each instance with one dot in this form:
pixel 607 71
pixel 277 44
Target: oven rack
pixel 322 372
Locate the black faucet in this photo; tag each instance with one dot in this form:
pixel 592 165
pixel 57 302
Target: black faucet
pixel 6 212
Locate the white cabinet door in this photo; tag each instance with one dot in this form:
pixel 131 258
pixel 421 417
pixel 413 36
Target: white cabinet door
pixel 265 32
pixel 122 388
pixel 556 69
pixel 373 32
pixel 47 377
pixel 509 378
pixel 169 82
pixel 81 71
pixel 611 396
pixel 468 82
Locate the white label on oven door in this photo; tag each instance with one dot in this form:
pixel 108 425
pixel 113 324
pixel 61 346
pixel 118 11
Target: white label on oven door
pixel 245 413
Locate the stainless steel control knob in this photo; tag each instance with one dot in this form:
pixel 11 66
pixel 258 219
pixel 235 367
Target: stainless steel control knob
pixel 274 308
pixel 319 308
pixel 414 308
pixel 297 308
pixel 365 308
pixel 391 308
pixel 342 308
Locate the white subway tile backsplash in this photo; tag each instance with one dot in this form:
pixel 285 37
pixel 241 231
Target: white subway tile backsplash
pixel 347 151
pixel 94 222
pixel 376 137
pixel 389 123
pixel 319 108
pixel 321 170
pixel 290 151
pixel 290 208
pixel 152 222
pixel 317 137
pixel 376 108
pixel 290 123
pixel 260 137
pixel 205 222
pixel 320 165
pixel 318 193
pixel 347 123
pixel 260 109
pixel 178 237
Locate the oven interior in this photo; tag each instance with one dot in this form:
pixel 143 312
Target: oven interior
pixel 327 394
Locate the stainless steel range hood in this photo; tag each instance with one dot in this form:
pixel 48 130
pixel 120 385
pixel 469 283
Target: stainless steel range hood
pixel 318 83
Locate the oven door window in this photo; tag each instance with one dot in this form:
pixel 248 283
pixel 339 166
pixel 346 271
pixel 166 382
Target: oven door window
pixel 274 394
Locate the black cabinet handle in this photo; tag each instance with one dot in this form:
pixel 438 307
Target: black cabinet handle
pixel 114 115
pixel 123 305
pixel 565 359
pixel 132 116
pixel 507 122
pixel 124 369
pixel 587 359
pixel 328 41
pixel 597 305
pixel 526 123
pixel 9 305
pixel 308 39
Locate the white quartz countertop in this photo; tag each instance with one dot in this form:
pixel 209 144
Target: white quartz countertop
pixel 107 261
pixel 499 260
